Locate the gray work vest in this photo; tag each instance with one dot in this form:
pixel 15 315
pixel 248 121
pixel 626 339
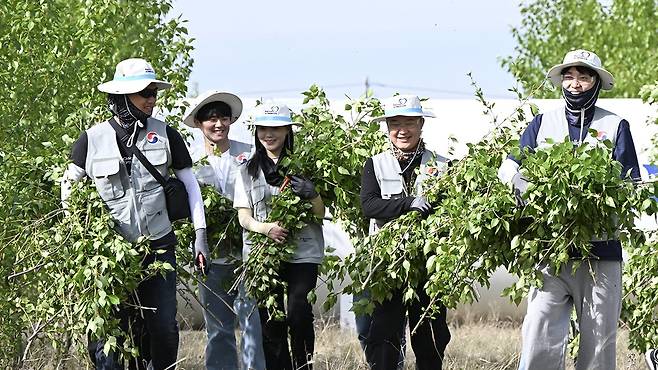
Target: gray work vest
pixel 206 175
pixel 391 183
pixel 554 126
pixel 309 240
pixel 136 201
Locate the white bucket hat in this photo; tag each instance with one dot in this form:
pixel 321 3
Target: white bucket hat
pixel 131 76
pixel 209 97
pixel 403 105
pixel 581 58
pixel 272 115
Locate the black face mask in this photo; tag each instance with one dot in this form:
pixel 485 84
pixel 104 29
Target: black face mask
pixel 585 100
pixel 274 173
pixel 127 112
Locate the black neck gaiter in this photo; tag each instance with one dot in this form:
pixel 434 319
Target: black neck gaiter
pixel 274 173
pixel 584 100
pixel 128 113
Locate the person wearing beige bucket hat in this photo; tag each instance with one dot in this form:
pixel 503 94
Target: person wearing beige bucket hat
pixel 257 181
pixel 391 185
pixel 213 113
pixel 593 288
pixel 136 202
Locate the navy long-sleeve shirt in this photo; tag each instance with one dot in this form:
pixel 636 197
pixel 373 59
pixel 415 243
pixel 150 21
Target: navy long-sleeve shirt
pixel 624 153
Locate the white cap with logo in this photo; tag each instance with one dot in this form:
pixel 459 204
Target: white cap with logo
pixel 581 58
pixel 272 114
pixel 403 105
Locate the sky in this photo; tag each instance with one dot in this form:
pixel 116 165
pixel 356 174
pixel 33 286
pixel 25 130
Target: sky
pixel 277 49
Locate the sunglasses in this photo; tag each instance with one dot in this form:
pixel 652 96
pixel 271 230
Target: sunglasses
pixel 148 93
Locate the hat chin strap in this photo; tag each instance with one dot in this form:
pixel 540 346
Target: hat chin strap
pixel 137 123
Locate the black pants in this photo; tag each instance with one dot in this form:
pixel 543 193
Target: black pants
pixel 428 342
pixel 154 332
pixel 301 279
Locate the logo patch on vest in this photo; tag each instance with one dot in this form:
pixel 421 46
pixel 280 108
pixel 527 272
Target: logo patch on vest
pixel 432 171
pixel 241 158
pixel 601 135
pixel 152 137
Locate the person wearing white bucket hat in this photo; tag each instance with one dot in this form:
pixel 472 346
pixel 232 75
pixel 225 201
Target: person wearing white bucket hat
pixel 213 113
pixel 136 202
pixel 391 185
pixel 594 288
pixel 256 183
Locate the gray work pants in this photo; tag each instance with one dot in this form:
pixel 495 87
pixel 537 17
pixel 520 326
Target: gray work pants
pixel 594 290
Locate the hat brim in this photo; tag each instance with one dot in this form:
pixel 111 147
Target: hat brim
pixel 424 113
pixel 232 100
pixel 131 87
pixel 554 74
pixel 274 123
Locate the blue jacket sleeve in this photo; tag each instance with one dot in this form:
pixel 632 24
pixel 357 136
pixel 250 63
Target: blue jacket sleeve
pixel 529 137
pixel 624 151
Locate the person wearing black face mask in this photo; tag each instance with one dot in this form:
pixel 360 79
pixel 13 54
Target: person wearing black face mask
pixel 594 288
pixel 136 202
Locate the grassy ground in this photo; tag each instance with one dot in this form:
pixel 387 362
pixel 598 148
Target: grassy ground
pixel 474 346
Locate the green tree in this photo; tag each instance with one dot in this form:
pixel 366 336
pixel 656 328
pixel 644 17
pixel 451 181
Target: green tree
pixel 624 34
pixel 54 54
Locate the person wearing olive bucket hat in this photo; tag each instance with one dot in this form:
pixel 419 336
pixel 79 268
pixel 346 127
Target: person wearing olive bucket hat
pixel 258 181
pixel 213 113
pixel 391 185
pixel 593 288
pixel 136 202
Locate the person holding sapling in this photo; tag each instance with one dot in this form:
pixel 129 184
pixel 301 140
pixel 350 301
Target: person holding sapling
pixel 391 185
pixel 213 113
pixel 594 288
pixel 116 154
pixel 262 178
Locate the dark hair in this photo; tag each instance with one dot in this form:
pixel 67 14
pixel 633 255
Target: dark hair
pixel 260 154
pixel 581 69
pixel 216 109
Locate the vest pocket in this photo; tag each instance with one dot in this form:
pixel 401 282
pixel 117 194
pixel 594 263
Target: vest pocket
pixel 107 178
pixel 158 158
pixel 309 242
pixel 155 210
pixel 390 187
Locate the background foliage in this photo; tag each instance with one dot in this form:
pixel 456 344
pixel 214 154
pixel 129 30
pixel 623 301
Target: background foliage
pixel 54 55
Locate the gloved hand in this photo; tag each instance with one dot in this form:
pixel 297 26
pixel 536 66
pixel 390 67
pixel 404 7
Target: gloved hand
pixel 201 252
pixel 421 205
pixel 304 188
pixel 520 185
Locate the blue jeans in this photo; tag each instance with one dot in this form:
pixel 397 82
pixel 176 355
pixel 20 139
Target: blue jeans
pixel 363 323
pixel 221 312
pixel 154 331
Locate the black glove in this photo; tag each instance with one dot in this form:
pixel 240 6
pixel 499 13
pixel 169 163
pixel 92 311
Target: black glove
pixel 520 185
pixel 304 188
pixel 420 205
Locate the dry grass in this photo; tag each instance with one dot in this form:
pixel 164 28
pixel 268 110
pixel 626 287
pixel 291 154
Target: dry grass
pixel 474 346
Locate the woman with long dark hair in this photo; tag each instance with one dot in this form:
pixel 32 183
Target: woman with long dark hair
pixel 255 185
